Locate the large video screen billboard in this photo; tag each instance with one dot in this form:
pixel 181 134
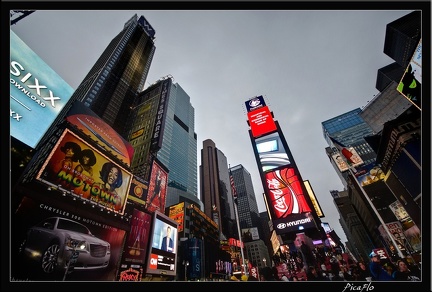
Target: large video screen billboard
pixel 271 152
pixel 53 244
pixel 37 93
pixel 75 166
pixel 284 193
pixel 261 121
pixel 163 246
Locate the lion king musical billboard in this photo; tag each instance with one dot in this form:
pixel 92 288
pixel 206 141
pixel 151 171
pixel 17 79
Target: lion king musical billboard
pixel 75 166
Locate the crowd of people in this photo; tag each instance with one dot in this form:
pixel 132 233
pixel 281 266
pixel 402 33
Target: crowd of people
pixel 331 266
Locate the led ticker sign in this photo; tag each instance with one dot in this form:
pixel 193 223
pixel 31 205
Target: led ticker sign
pixel 285 194
pixel 261 121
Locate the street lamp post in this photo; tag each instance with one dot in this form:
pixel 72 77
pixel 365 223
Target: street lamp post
pixel 265 262
pixel 186 263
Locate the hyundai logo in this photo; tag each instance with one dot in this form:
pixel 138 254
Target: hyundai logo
pixel 281 226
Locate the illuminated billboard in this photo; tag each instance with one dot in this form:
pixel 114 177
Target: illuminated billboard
pixel 44 238
pixel 285 193
pixel 369 174
pixel 313 199
pixel 410 84
pixel 294 222
pixel 163 246
pixel 99 131
pixel 139 236
pixel 75 166
pixel 158 184
pixel 271 152
pixel 340 162
pixel 261 121
pixel 250 234
pixel 255 103
pixel 138 190
pixel 37 93
pixel 177 213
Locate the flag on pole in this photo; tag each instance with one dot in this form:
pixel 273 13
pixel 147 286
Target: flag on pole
pixel 233 188
pixel 344 151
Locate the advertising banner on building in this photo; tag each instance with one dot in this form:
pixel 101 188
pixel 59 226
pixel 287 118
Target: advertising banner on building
pixel 284 193
pixel 163 246
pixel 85 120
pixel 130 273
pixel 369 174
pixel 139 236
pixel 157 188
pixel 138 190
pixel 45 237
pixel 396 231
pixel 313 199
pixel 261 121
pixel 177 213
pixel 410 84
pixel 250 234
pixel 37 93
pixel 75 166
pixel 340 162
pixel 195 266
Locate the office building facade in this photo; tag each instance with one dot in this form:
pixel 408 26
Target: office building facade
pixel 350 129
pixel 179 144
pixel 113 83
pixel 402 37
pixel 247 205
pixel 215 189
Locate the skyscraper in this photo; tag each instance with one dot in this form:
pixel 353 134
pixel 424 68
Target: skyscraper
pixel 247 205
pixel 161 125
pixel 402 37
pixel 112 84
pixel 179 144
pixel 350 129
pixel 215 189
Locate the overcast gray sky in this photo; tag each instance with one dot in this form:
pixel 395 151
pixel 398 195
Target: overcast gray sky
pixel 310 66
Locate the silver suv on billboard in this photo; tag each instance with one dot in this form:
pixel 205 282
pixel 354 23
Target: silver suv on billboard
pixel 52 242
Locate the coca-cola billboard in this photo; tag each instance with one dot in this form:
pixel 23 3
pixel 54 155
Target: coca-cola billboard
pixel 285 194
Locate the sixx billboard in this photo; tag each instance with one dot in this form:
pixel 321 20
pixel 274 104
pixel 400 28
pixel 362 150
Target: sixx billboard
pixel 75 166
pixel 37 93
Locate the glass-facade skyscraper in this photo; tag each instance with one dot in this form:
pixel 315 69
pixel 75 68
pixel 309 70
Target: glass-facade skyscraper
pixel 350 129
pixel 112 84
pixel 247 205
pixel 179 146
